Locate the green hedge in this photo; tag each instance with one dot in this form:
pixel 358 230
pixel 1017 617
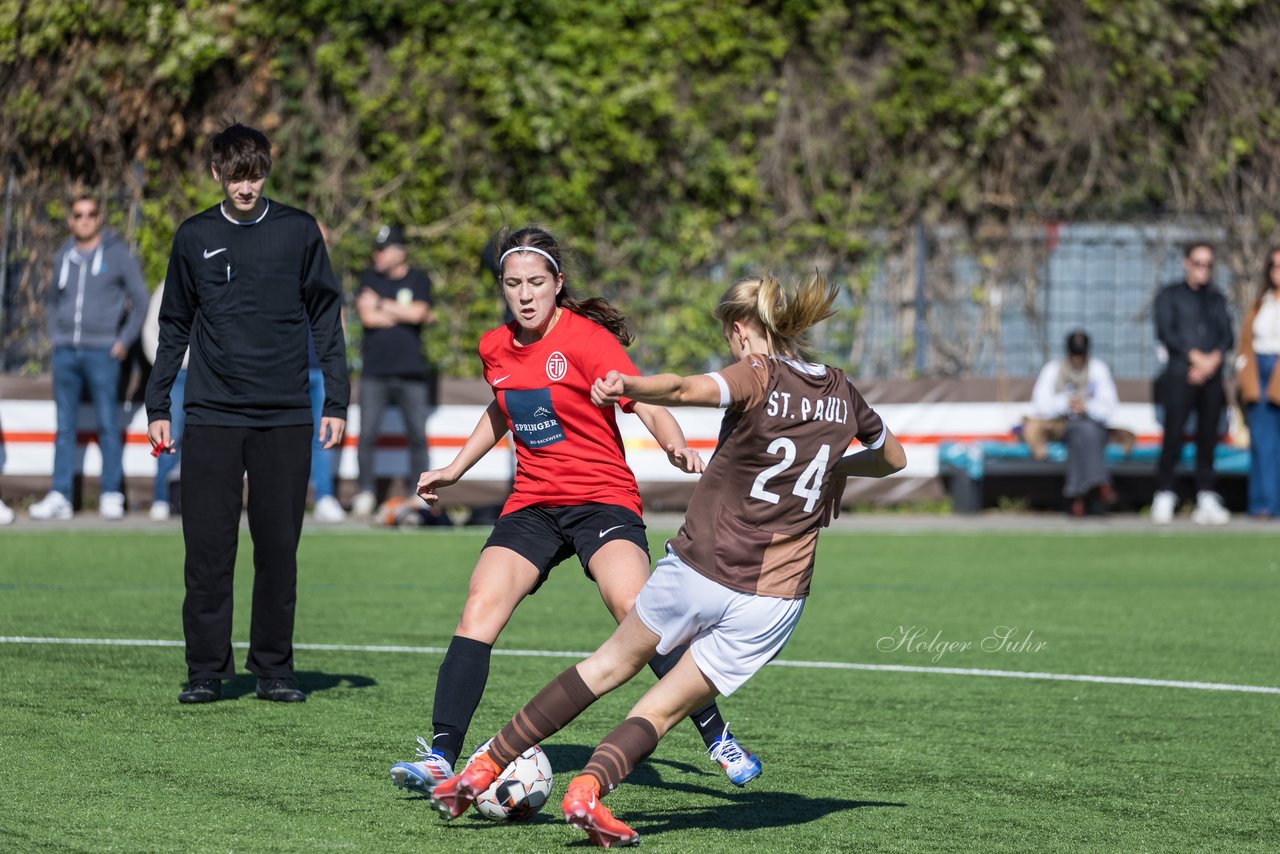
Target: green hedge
pixel 673 144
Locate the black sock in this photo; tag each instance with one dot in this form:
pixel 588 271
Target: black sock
pixel 709 723
pixel 707 719
pixel 459 687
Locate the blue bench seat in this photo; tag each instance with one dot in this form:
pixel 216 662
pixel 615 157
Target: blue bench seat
pixel 964 465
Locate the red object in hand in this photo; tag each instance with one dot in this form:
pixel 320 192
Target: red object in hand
pixel 157 450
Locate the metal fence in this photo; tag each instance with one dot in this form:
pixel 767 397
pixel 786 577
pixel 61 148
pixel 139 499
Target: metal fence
pixel 944 302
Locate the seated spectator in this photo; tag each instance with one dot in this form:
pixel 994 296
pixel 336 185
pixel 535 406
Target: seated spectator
pixel 1076 397
pixel 1260 392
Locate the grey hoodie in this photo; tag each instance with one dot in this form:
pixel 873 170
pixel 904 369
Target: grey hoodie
pixel 96 298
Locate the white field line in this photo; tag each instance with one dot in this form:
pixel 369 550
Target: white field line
pixel 818 665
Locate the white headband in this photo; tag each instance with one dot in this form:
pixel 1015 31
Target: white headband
pixel 554 265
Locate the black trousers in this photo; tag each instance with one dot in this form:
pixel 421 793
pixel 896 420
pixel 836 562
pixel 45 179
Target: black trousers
pixel 1180 398
pixel 414 399
pixel 215 461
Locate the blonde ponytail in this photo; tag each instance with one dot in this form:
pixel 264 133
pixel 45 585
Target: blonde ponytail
pixel 783 318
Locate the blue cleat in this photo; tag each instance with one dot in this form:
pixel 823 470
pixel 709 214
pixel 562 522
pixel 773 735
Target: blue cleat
pixel 739 766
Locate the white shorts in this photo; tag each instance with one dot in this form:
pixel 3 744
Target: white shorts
pixel 731 634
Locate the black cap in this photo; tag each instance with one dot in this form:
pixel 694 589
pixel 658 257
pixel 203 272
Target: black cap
pixel 389 235
pixel 1078 343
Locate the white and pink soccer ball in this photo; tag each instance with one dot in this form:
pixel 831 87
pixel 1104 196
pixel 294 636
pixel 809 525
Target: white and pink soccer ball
pixel 520 790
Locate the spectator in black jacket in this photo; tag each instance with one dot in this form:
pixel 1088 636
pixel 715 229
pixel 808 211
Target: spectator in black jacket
pixel 246 280
pixel 1194 326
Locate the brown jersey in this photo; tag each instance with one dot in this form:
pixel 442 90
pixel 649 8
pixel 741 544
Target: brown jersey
pixel 754 517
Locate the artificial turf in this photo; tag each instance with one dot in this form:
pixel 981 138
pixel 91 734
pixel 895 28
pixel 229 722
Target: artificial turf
pixel 98 755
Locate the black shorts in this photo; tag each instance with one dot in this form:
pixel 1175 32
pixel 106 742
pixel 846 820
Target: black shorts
pixel 545 536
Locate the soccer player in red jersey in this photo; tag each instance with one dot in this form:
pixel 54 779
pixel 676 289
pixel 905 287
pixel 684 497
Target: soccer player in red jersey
pixel 734 580
pixel 573 494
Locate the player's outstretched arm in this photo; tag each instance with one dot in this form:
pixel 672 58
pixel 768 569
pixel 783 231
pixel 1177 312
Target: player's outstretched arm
pixel 666 431
pixel 660 389
pixel 491 427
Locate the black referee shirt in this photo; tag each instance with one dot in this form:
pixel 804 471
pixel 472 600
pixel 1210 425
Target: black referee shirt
pixel 242 296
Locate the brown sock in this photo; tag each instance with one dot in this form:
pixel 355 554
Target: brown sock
pixel 556 705
pixel 621 751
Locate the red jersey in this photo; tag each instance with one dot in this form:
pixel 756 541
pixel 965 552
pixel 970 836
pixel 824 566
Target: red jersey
pixel 568 450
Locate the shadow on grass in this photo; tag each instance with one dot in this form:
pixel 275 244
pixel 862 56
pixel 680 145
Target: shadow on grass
pixel 747 810
pixel 311 681
pixel 740 809
pixel 571 758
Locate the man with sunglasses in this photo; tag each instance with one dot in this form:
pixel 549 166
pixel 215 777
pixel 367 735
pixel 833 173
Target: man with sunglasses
pixel 94 306
pixel 1194 326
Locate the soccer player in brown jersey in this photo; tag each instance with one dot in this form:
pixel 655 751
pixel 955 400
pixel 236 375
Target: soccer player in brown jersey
pixel 573 493
pixel 734 579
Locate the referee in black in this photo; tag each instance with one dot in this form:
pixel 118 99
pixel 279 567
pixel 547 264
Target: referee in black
pixel 246 278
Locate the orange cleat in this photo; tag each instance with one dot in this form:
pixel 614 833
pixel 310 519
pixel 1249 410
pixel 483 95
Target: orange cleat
pixel 452 797
pixel 582 809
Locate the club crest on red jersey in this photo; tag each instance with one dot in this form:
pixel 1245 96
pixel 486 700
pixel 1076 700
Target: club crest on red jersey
pixel 557 366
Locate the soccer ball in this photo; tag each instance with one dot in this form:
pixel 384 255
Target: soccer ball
pixel 520 790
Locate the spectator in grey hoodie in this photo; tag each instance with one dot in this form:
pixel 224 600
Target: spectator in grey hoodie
pixel 94 306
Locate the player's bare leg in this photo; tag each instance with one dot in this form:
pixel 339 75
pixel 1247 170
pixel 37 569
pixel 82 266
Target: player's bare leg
pixel 500 580
pixel 620 569
pixel 683 688
pixel 619 658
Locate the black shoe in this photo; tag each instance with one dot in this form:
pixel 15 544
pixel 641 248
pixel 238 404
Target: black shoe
pixel 280 690
pixel 201 691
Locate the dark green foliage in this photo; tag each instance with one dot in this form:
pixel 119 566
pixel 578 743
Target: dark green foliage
pixel 674 145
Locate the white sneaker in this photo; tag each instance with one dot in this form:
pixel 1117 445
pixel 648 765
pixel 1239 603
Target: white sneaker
pixel 1162 507
pixel 159 511
pixel 423 775
pixel 329 510
pixel 364 504
pixel 6 514
pixel 55 505
pixel 1209 510
pixel 111 506
pixel 739 766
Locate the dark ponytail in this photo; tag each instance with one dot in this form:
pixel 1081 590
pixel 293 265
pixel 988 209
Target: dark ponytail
pixel 599 311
